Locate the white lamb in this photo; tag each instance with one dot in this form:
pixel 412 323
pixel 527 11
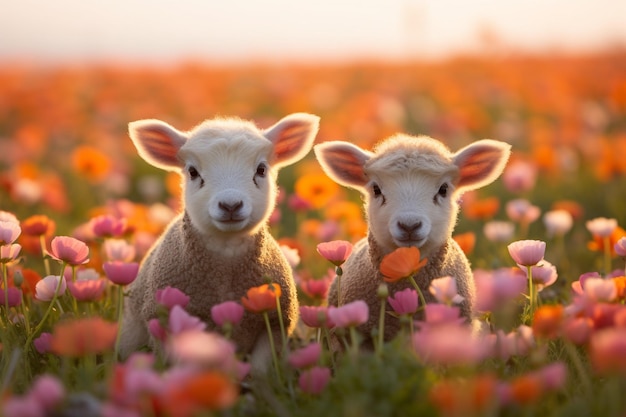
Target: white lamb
pixel 411 186
pixel 219 246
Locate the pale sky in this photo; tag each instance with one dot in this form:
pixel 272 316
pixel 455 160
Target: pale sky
pixel 241 30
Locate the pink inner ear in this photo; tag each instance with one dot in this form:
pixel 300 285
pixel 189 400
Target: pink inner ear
pixel 157 143
pixel 344 163
pixel 290 141
pixel 478 166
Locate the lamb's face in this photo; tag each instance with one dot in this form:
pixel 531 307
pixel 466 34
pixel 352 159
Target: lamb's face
pixel 412 208
pixel 229 185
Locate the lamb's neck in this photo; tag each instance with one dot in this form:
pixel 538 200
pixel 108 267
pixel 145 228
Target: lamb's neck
pixel 235 245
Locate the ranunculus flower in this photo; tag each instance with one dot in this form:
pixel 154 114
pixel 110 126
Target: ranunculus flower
pixel 314 380
pixel 351 314
pixel 69 250
pixel 119 250
pixel 306 356
pixel 121 273
pixel 228 312
pixel 336 251
pixel 180 320
pixel 80 337
pixel 108 226
pixel 170 297
pixel 37 225
pixel 401 263
pixel 527 252
pixel 445 291
pixel 9 232
pixel 87 289
pixel 544 274
pixel 9 253
pixel 45 289
pixel 316 316
pixel 404 302
pixel 262 298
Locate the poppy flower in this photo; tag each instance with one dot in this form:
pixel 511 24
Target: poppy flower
pixel 37 225
pixel 557 222
pixel 314 380
pixel 499 231
pixel 445 291
pixel 607 350
pixel 206 391
pixel 349 315
pixel 69 250
pixel 547 321
pixel 316 189
pixel 119 250
pixel 9 231
pixel 228 312
pixel 598 243
pixel 90 163
pixel 306 356
pixel 262 298
pixel 483 209
pixel 179 321
pixel 601 226
pixel 527 252
pixel 336 251
pixel 404 302
pixel 401 263
pixel 87 289
pixel 76 338
pixel 170 297
pixel 316 316
pixel 9 253
pixel 466 241
pixel 46 287
pixel 620 247
pixel 121 273
pixel 317 288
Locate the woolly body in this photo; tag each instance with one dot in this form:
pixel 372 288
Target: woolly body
pixel 410 185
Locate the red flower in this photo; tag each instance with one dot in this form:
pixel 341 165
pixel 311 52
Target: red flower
pixel 262 298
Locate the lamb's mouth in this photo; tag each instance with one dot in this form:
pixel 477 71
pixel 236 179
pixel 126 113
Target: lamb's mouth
pixel 411 242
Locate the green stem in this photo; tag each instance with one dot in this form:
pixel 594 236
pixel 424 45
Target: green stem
pixel 339 273
pixel 120 311
pixel 330 352
pixel 354 338
pixel 47 313
pixel 381 328
pixel 531 292
pixel 283 334
pixel 607 255
pixel 419 291
pixel 5 282
pixel 46 261
pixel 272 347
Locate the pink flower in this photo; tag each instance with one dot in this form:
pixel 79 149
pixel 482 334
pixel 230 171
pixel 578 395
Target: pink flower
pixel 180 321
pixel 87 289
pixel 496 289
pixel 119 250
pixel 445 291
pixel 558 222
pixel 297 203
pixel 601 226
pixel 544 274
pixel 351 314
pixel 316 316
pixel 437 314
pixel 43 342
pixel 48 391
pixel 519 176
pixel 449 344
pixel 578 330
pixel 14 296
pixel 291 254
pixel 314 380
pixel 156 330
pixel 607 350
pixel 499 231
pixel 318 288
pixel 121 273
pixel 22 407
pixel 306 356
pixel 527 252
pixel 45 288
pixel 553 376
pixel 522 211
pixel 9 253
pixel 336 251
pixel 9 232
pixel 600 290
pixel 201 348
pixel 170 297
pixel 228 312
pixel 404 302
pixel 69 250
pixel 108 226
pixel 620 247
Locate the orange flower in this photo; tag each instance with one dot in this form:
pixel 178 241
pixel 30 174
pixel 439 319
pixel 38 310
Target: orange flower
pixel 547 321
pixel 316 189
pixel 620 284
pixel 262 298
pixel 526 389
pixel 483 209
pixel 401 263
pixel 82 337
pixel 460 398
pixel 203 392
pixel 91 163
pixel 38 225
pixel 597 244
pixel 466 241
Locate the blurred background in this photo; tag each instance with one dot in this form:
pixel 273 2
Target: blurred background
pixel 547 76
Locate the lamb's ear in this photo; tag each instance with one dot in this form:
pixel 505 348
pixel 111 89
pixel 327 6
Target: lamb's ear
pixel 481 163
pixel 343 162
pixel 292 137
pixel 157 142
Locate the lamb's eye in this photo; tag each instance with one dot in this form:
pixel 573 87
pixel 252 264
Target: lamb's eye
pixel 442 193
pixel 193 173
pixel 261 170
pixel 376 190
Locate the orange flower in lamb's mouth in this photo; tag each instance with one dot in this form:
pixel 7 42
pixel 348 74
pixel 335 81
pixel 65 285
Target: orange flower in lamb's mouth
pixel 402 263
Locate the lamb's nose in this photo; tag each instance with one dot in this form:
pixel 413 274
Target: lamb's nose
pixel 410 228
pixel 231 208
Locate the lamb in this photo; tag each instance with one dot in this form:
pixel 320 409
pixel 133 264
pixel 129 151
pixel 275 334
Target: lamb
pixel 411 186
pixel 219 246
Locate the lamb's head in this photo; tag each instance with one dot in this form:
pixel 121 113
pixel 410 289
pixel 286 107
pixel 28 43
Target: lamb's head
pixel 229 166
pixel 411 184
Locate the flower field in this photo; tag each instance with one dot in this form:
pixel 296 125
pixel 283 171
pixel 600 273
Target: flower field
pixel 79 209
